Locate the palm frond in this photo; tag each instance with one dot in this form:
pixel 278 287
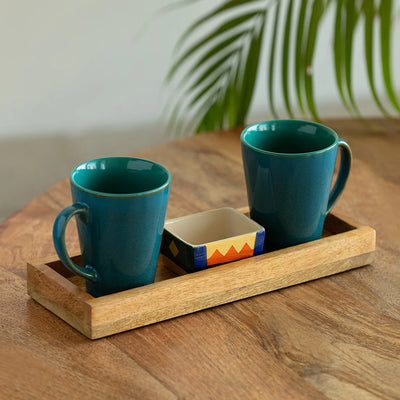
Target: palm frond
pixel 352 13
pixel 221 68
pixel 246 77
pixel 285 57
pixel 227 6
pixel 298 37
pixel 300 65
pixel 317 11
pixel 218 57
pixel 368 9
pixel 339 60
pixel 271 67
pixel 215 35
pixel 386 15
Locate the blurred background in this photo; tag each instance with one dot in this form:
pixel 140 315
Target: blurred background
pixel 81 79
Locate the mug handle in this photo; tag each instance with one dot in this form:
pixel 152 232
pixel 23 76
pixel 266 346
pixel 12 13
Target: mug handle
pixel 59 227
pixel 343 174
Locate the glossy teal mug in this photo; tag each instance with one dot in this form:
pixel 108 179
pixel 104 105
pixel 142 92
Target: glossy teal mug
pixel 120 204
pixel 289 167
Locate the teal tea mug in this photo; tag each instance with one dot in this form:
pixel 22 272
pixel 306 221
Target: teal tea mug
pixel 289 167
pixel 120 204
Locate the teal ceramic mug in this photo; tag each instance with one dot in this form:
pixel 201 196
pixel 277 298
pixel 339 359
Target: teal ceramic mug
pixel 289 167
pixel 120 204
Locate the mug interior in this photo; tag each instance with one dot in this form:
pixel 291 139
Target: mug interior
pixel 289 137
pixel 120 176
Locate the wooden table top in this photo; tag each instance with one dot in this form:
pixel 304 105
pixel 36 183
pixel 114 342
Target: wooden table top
pixel 333 338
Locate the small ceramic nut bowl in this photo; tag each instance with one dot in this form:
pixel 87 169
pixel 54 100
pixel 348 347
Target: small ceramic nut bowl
pixel 210 238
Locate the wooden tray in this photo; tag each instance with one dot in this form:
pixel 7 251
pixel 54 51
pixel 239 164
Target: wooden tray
pixel 345 245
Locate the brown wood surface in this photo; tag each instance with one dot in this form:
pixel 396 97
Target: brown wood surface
pixel 57 289
pixel 333 338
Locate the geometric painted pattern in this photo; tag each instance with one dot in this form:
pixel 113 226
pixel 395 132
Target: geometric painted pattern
pixel 196 257
pixel 173 248
pixel 223 251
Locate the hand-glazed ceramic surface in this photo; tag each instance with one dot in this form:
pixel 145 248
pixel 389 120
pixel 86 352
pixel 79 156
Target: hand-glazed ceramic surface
pixel 210 238
pixel 288 166
pixel 120 204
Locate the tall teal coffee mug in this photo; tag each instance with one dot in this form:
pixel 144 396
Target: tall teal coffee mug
pixel 120 205
pixel 289 167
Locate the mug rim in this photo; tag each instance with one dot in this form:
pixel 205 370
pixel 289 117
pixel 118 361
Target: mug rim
pixel 278 154
pixel 120 195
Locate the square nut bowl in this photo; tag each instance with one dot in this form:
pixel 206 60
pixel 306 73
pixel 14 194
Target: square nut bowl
pixel 210 238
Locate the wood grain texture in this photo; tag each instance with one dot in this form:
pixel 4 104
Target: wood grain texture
pixel 172 297
pixel 332 338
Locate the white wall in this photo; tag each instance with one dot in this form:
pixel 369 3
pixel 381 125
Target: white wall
pixel 77 66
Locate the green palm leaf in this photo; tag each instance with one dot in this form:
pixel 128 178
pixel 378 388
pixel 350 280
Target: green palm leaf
pixel 385 12
pixel 217 34
pixel 233 4
pixel 339 52
pixel 300 65
pixel 352 14
pixel 368 10
pixel 216 72
pixel 272 58
pixel 248 75
pixel 222 67
pixel 285 58
pixel 318 8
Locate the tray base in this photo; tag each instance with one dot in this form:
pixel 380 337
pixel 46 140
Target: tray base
pixel 345 245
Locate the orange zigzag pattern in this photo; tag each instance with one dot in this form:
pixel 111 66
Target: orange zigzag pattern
pixel 231 255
